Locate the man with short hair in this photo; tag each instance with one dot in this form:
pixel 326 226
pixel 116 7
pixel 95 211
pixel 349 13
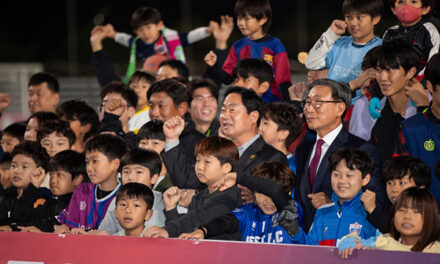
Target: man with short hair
pixel 169 98
pixel 43 93
pixel 203 106
pixel 326 103
pixel 239 119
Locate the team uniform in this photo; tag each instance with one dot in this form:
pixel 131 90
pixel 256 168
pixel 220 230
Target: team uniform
pixel 422 136
pixel 341 56
pixel 85 210
pixel 257 227
pixel 269 49
pixel 333 221
pixel 170 43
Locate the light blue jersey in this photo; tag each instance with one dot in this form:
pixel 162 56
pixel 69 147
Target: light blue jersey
pixel 345 58
pixel 340 55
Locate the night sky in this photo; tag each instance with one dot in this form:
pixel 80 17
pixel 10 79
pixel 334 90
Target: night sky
pixel 36 31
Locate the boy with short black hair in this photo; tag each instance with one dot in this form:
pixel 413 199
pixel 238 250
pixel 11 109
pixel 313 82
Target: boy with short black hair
pixel 140 166
pixel 83 120
pixel 151 137
pixel 141 77
pixel 153 38
pixel 280 126
pixel 215 158
pixel 255 74
pixel 66 171
pixel 28 169
pixel 350 172
pixel 90 201
pixel 330 51
pixel 173 69
pixel 56 136
pixel 402 172
pixel 143 159
pixel 253 19
pixel 12 135
pixel 134 203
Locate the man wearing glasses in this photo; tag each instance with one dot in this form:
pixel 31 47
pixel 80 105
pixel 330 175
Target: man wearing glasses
pixel 117 107
pixel 326 102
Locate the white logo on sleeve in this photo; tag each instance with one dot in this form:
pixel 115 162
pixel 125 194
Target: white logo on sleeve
pixel 82 205
pixel 355 229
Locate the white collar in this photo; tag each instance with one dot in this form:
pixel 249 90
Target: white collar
pixel 330 137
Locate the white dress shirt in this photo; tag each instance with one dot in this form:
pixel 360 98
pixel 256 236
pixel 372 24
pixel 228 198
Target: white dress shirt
pixel 328 139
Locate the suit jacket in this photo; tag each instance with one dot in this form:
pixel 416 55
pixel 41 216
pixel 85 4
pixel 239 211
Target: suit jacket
pixel 183 174
pixel 323 179
pixel 189 139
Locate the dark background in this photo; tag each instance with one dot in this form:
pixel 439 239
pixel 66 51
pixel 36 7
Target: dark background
pixel 39 31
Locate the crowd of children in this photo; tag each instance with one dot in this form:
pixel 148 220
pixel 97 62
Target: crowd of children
pixel 157 161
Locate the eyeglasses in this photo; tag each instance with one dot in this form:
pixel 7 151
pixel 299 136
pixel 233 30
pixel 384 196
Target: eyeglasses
pixel 316 103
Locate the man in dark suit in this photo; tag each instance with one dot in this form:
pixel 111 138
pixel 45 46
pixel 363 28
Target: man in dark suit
pixel 325 105
pixel 239 120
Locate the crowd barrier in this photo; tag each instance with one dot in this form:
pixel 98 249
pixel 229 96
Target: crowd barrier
pixel 52 248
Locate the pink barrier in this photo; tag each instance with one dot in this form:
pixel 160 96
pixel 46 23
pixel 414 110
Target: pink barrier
pixel 51 248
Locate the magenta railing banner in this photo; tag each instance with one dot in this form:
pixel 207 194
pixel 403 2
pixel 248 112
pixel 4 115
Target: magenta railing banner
pixel 51 248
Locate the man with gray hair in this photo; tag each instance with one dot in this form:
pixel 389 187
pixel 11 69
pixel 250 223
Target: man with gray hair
pixel 325 105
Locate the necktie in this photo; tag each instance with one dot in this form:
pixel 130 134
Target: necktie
pixel 315 162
